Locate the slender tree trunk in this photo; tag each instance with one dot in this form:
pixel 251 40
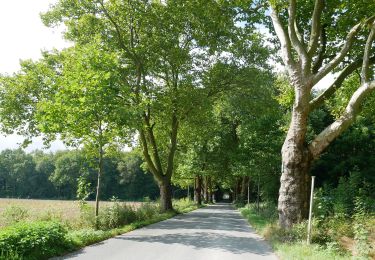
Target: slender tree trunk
pixel 205 192
pixel 238 189
pixel 100 172
pixel 194 190
pixel 165 195
pixel 210 193
pixel 198 190
pixel 245 181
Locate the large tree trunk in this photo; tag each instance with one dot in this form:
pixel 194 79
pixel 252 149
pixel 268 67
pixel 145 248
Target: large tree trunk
pixel 293 194
pixel 296 161
pixel 165 195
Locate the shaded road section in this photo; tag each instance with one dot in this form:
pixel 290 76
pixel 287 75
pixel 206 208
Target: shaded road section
pixel 216 232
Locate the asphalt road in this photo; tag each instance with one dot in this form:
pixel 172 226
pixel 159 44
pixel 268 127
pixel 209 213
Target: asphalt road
pixel 211 233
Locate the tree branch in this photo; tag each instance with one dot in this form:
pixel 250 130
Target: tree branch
pixel 323 42
pixel 155 151
pixel 117 28
pixel 299 36
pixel 172 150
pixel 344 50
pixel 292 30
pixel 315 27
pixel 323 139
pixel 147 156
pixel 284 41
pixel 316 102
pixel 340 56
pixel 365 75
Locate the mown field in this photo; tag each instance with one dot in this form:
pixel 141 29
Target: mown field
pixel 66 211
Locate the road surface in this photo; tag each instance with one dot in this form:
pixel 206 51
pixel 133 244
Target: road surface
pixel 216 232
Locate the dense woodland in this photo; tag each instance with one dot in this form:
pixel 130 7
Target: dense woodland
pixel 41 175
pixel 193 87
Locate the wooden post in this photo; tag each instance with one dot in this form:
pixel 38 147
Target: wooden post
pixel 310 211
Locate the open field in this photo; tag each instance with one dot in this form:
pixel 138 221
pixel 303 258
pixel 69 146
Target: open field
pixel 64 210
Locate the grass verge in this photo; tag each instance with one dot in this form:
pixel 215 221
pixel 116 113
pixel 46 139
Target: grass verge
pixel 290 244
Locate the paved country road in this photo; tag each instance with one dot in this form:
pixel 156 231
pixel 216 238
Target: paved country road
pixel 216 232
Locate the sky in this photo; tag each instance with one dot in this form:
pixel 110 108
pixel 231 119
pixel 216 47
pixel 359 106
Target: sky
pixel 23 36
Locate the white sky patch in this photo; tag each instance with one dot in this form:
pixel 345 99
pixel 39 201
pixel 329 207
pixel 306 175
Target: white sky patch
pixel 325 82
pixel 14 141
pixel 23 36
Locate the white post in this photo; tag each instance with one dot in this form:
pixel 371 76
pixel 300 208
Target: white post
pixel 310 211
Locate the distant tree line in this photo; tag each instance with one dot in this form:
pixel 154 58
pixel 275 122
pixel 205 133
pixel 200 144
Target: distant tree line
pixel 55 175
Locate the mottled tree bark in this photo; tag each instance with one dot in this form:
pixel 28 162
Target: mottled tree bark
pixel 294 183
pixel 306 66
pixel 165 196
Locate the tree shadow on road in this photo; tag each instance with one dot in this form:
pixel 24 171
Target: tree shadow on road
pixel 208 240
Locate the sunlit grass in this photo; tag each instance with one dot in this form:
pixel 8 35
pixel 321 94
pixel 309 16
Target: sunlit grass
pixel 284 245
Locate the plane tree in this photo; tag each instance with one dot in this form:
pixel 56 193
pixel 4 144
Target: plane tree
pixel 69 94
pixel 163 49
pixel 335 37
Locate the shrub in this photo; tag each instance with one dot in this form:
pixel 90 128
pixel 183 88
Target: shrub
pixel 116 215
pixel 345 194
pixel 323 203
pixel 87 215
pixel 10 255
pixel 33 240
pixel 360 229
pixel 51 216
pixel 14 214
pixel 184 205
pixel 84 237
pixel 147 211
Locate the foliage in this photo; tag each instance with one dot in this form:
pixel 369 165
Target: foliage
pixel 43 239
pixel 34 240
pixel 65 174
pixel 290 244
pixel 361 228
pixel 14 214
pixel 184 205
pixel 117 215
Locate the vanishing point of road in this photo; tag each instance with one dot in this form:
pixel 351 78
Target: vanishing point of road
pixel 216 232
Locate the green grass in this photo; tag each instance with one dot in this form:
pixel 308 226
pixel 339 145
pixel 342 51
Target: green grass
pixel 290 245
pixel 85 237
pixel 300 250
pixel 257 221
